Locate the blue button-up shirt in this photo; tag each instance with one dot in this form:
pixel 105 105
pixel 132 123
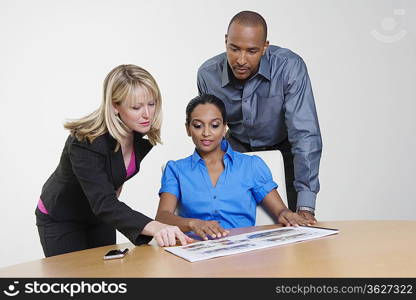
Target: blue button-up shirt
pixel 245 181
pixel 274 104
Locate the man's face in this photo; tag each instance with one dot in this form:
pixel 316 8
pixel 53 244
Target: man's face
pixel 245 46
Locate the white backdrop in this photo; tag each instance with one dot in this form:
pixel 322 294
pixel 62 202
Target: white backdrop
pixel 54 55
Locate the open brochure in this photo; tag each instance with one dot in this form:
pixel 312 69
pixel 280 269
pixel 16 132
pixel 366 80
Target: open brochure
pixel 248 241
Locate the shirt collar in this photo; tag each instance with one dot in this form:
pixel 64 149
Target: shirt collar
pixel 225 146
pixel 264 70
pixel 225 76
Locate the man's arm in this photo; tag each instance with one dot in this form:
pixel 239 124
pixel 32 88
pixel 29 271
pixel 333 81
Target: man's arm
pixel 303 133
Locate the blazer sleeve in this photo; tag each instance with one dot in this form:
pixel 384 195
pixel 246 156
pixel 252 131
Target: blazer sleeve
pixel 90 170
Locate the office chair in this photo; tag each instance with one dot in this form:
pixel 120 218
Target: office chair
pixel 274 160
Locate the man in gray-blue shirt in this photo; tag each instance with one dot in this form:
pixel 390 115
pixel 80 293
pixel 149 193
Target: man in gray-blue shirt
pixel 270 105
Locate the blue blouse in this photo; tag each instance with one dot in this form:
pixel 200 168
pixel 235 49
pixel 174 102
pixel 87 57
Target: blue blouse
pixel 243 184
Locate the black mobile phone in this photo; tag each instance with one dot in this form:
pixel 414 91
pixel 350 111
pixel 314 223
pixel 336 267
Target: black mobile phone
pixel 118 253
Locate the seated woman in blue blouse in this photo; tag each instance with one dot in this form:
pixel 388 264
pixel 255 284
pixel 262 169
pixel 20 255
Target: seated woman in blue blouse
pixel 217 188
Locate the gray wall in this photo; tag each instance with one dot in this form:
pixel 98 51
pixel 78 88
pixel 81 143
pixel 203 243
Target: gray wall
pixel 54 56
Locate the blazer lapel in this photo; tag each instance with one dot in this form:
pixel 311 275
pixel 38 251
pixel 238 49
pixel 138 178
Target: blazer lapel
pixel 141 148
pixel 118 170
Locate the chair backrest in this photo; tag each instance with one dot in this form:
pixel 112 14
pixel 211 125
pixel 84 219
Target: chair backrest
pixel 274 160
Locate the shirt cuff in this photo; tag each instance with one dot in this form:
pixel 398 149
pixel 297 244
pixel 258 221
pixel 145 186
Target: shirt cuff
pixel 169 189
pixel 262 192
pixel 306 198
pixel 142 239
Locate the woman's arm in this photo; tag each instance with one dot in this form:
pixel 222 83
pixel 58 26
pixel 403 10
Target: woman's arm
pixel 282 214
pixel 165 235
pixel 166 214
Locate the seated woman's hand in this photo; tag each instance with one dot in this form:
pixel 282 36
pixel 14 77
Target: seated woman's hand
pixel 289 218
pixel 205 228
pixel 166 235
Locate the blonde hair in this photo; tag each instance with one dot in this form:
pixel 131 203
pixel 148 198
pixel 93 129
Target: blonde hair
pixel 120 85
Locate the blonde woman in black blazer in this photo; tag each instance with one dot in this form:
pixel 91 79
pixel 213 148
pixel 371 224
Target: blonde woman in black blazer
pixel 79 207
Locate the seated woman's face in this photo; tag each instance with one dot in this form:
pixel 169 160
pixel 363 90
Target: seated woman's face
pixel 206 127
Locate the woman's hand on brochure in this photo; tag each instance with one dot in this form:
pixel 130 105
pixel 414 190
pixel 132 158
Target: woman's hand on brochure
pixel 207 228
pixel 289 218
pixel 166 235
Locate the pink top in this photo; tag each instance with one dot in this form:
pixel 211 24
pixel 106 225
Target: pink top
pixel 42 207
pixel 130 171
pixel 132 165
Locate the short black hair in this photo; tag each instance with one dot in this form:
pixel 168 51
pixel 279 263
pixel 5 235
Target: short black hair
pixel 205 99
pixel 249 18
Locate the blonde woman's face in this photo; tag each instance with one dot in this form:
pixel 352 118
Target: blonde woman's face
pixel 138 112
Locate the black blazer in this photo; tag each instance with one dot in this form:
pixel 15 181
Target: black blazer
pixel 83 186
